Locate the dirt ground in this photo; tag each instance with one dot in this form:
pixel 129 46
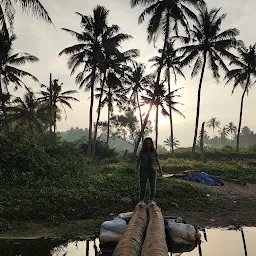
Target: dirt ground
pixel 238 209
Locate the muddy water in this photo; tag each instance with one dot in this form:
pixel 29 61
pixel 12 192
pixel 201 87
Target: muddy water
pixel 219 242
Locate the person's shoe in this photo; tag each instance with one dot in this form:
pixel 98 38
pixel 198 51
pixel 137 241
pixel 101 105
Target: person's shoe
pixel 141 203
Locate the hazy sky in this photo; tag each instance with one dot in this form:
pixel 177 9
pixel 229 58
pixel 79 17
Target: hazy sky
pixel 45 42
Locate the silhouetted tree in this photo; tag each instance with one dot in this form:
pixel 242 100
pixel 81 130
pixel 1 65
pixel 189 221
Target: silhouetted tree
pixel 244 75
pixel 208 43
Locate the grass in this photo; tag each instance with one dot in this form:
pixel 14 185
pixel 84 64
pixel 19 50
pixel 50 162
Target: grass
pixel 68 229
pixel 76 203
pixel 242 170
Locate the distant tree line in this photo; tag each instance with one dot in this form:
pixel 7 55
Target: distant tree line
pixel 191 35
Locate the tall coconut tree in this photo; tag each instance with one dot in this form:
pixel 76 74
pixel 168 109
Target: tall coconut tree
pixel 113 61
pixel 139 81
pixel 231 129
pixel 243 74
pixel 171 65
pixel 172 143
pixel 213 123
pixel 29 111
pixel 223 132
pixel 162 100
pixel 114 95
pixel 208 44
pixel 55 96
pixel 88 55
pixel 165 17
pixel 9 71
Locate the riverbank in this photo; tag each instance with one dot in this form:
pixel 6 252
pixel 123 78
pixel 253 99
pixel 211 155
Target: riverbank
pixel 229 205
pixel 77 199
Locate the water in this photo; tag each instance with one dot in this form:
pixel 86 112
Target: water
pixel 220 242
pixel 226 243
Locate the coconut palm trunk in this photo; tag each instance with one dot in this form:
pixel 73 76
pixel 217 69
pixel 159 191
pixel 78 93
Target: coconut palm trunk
pixel 54 118
pixel 99 111
pixel 170 110
pixel 3 106
pixel 141 121
pixel 109 102
pixel 241 115
pixel 198 103
pixel 142 130
pixel 157 115
pixel 157 82
pixel 50 107
pixel 91 110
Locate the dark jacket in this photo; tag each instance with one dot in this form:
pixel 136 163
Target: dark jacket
pixel 147 161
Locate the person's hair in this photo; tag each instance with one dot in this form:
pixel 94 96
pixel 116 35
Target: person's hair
pixel 144 145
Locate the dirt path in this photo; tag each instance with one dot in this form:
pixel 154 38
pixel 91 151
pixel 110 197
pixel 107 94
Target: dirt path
pixel 234 191
pixel 238 206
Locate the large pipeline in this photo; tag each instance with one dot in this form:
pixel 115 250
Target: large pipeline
pixel 132 240
pixel 155 240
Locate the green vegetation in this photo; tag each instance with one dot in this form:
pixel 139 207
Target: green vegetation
pixel 84 175
pixel 50 181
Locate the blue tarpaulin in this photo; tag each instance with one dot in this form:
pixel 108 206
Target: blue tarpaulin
pixel 202 177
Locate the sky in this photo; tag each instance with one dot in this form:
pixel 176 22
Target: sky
pixel 46 41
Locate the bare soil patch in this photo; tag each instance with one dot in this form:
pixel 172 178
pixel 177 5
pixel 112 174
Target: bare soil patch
pixel 237 207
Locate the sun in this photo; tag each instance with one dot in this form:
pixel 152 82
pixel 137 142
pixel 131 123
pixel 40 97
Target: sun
pixel 162 120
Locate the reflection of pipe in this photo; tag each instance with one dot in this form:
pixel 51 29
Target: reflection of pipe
pixel 245 249
pixel 200 249
pixel 205 236
pixel 95 247
pixel 87 247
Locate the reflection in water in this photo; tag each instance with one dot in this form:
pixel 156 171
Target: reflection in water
pixel 214 242
pixel 30 247
pixel 244 242
pixel 227 243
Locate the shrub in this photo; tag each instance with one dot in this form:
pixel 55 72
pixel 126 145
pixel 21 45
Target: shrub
pixel 102 150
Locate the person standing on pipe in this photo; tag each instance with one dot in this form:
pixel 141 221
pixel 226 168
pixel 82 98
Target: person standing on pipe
pixel 148 165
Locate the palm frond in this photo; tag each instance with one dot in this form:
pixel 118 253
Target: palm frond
pixel 21 59
pixel 36 8
pixel 197 66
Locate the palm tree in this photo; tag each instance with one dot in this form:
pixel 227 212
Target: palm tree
pixel 29 111
pixel 243 75
pixel 54 95
pixel 163 13
pixel 114 61
pixel 115 93
pixel 203 135
pixel 172 143
pixel 223 135
pixel 246 134
pixel 213 123
pixel 9 71
pixel 208 43
pixel 161 99
pixel 171 64
pixel 7 11
pixel 139 81
pixel 231 129
pixel 88 53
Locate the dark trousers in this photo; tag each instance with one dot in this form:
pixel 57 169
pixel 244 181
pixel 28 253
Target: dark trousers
pixel 143 185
